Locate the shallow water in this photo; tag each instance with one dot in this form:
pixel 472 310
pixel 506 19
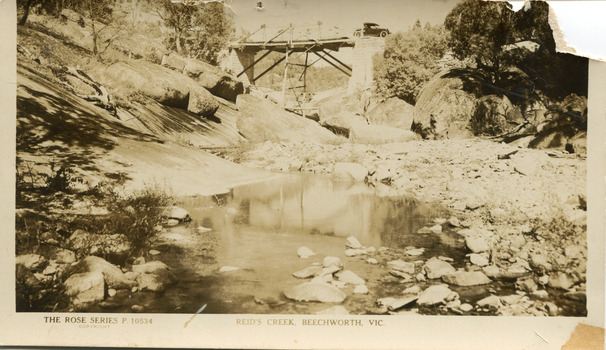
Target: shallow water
pixel 258 228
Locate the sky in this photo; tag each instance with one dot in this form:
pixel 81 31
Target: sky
pixel 347 15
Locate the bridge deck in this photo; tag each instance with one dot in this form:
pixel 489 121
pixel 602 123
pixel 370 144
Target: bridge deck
pixel 303 45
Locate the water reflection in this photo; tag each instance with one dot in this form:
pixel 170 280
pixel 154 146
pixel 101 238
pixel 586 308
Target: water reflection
pixel 319 205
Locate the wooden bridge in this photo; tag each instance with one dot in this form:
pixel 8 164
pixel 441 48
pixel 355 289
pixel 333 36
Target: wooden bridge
pixel 288 41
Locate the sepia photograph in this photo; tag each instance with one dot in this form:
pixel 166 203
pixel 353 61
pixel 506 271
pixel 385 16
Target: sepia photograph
pixel 299 164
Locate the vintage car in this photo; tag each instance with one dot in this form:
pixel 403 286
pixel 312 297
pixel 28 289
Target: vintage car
pixel 371 29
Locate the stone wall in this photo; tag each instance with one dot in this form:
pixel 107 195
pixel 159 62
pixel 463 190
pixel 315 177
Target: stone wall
pixel 362 75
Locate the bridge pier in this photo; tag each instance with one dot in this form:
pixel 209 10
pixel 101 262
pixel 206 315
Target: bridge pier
pixel 238 61
pixel 362 76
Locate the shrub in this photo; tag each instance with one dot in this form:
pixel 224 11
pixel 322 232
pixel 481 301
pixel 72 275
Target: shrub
pixel 410 60
pixel 137 214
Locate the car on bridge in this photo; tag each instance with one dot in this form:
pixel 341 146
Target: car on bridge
pixel 371 29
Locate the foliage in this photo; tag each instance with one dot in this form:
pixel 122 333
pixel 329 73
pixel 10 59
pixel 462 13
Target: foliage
pixel 410 59
pixel 136 214
pixel 99 12
pixel 198 30
pixel 489 32
pixel 479 30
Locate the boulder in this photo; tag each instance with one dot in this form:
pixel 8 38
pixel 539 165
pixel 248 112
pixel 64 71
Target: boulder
pixel 112 274
pixel 436 268
pixel 353 243
pixel 178 214
pixel 320 292
pixel 444 107
pixel 350 277
pixel 495 115
pixel 304 252
pixel 393 304
pixel 340 115
pixel 561 280
pixel 349 172
pixel 85 287
pixel 212 78
pixel 466 278
pixel 154 276
pixel 32 262
pixel 478 259
pixel 261 120
pixel 436 294
pixel 392 112
pixel 380 134
pixel 403 266
pixel 540 263
pixel 577 144
pixel 492 302
pixel 360 289
pixel 332 261
pixel 354 252
pixel 476 243
pixel 163 85
pixel 308 272
pixel 526 284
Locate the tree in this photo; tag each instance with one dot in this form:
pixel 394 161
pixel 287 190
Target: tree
pixel 198 30
pixel 410 59
pixel 179 17
pixel 99 12
pixel 211 32
pixel 479 30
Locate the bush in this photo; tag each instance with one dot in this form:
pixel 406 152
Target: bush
pixel 410 60
pixel 136 215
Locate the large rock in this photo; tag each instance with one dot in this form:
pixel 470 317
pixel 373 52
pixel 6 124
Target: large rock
pixel 392 112
pixel 178 213
pixel 476 243
pixel 341 115
pixel 466 278
pixel 577 144
pixel 444 107
pixel 332 261
pixel 437 294
pixel 112 274
pixel 33 262
pixel 85 287
pixel 308 272
pixel 154 276
pixel 495 115
pixel 321 292
pixel 163 85
pixel 403 266
pixel 261 120
pixel 436 268
pixel 350 277
pixel 353 243
pixel 379 134
pixel 212 78
pixel 349 172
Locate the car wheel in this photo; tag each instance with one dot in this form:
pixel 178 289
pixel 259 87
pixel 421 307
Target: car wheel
pixel 383 34
pixel 357 34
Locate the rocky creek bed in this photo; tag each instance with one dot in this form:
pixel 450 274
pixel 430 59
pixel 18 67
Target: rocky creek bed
pixel 511 223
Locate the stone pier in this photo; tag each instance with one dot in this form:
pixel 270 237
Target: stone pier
pixel 362 65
